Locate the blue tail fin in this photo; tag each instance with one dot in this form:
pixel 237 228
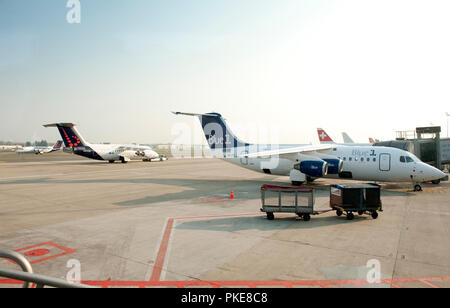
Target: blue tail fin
pixel 69 134
pixel 217 133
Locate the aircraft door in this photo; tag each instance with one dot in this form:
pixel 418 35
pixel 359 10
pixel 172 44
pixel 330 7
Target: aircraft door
pixel 385 162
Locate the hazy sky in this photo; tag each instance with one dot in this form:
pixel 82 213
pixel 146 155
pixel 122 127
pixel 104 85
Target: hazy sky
pixel 365 67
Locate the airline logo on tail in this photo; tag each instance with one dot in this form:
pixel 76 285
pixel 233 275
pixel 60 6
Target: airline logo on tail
pixel 70 138
pixel 323 136
pixel 58 145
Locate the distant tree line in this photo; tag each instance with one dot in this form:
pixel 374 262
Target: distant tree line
pixel 42 143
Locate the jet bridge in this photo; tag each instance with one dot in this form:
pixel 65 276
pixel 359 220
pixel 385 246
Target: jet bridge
pixel 426 143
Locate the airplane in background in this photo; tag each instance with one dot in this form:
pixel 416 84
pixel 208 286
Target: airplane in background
pixel 362 163
pixel 324 138
pixel 108 152
pixel 347 138
pixel 40 150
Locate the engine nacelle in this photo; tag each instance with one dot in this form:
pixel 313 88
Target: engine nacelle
pixel 334 165
pixel 313 168
pixel 148 154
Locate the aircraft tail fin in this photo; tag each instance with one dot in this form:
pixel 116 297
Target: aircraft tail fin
pixel 217 132
pixel 69 134
pixel 57 146
pixel 323 136
pixel 347 138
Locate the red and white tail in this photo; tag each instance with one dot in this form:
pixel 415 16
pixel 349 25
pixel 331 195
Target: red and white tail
pixel 323 136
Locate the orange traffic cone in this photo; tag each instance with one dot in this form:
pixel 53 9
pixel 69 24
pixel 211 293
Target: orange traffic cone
pixel 232 194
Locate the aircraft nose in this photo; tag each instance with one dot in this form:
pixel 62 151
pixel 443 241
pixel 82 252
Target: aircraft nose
pixel 433 173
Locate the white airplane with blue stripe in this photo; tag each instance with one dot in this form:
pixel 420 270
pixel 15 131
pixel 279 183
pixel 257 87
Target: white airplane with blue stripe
pixel 108 152
pixel 304 163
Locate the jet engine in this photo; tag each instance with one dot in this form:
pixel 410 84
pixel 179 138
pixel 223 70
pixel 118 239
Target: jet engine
pixel 334 165
pixel 147 154
pixel 313 168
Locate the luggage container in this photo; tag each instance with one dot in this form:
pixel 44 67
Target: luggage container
pixel 360 198
pixel 280 199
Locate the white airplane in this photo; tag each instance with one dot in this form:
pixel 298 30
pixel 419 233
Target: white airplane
pixel 362 163
pixel 109 152
pixel 40 150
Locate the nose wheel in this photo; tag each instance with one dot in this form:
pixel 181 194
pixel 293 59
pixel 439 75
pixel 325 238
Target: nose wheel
pixel 417 187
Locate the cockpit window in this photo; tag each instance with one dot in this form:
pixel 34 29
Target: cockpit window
pixel 402 159
pixel 409 159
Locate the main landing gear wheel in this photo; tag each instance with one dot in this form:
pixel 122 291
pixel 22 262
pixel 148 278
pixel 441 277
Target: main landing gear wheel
pixel 111 161
pixel 417 187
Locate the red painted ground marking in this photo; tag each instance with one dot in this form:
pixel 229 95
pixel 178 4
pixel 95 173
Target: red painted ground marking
pixel 40 250
pixel 37 253
pixel 251 284
pixel 159 263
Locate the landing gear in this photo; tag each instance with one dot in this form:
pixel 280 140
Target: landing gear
pixel 111 161
pixel 310 179
pixel 417 187
pixel 122 160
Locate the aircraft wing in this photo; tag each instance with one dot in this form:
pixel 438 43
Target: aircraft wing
pixel 285 152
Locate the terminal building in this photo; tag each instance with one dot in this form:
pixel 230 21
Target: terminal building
pixel 426 143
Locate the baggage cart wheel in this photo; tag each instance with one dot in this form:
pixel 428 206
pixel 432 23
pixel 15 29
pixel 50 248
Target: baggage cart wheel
pixel 374 215
pixel 270 216
pixel 360 212
pixel 306 217
pixel 350 216
pixel 339 213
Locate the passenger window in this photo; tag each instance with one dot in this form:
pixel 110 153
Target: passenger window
pixel 362 159
pixel 374 160
pixel 368 159
pixel 349 159
pixel 409 159
pixel 345 158
pixel 402 159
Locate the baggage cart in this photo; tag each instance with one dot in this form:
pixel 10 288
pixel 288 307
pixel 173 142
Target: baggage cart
pixel 281 199
pixel 359 198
